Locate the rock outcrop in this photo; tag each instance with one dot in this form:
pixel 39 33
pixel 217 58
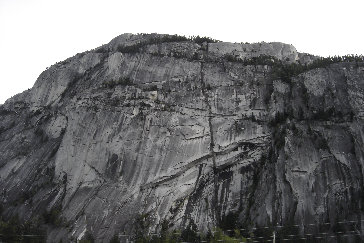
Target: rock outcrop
pixel 174 132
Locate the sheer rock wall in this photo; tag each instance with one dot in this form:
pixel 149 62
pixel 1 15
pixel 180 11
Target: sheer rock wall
pixel 192 137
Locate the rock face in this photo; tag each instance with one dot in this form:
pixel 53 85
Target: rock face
pixel 176 133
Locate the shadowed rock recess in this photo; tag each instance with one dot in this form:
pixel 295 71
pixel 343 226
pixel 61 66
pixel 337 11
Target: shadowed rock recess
pixel 171 131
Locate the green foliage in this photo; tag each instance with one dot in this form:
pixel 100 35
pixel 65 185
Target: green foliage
pixel 15 231
pixel 189 234
pixel 259 60
pixel 164 236
pixel 285 72
pixel 52 217
pixel 200 40
pixel 101 50
pixel 163 39
pixel 229 221
pixel 9 230
pixel 154 40
pixel 293 69
pixel 88 238
pixel 115 239
pixel 141 228
pixel 123 81
pixel 169 38
pixel 131 49
pixel 287 230
pixel 219 236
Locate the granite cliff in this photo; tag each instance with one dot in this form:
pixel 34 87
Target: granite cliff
pixel 162 130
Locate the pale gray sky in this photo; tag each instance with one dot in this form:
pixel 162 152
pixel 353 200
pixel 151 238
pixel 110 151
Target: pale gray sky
pixel 35 34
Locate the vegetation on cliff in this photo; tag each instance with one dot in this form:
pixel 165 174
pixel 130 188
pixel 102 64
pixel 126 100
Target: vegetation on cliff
pixel 123 81
pixel 285 71
pixel 163 39
pixel 15 231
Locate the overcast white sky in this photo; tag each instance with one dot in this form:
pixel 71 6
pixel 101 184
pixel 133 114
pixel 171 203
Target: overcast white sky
pixel 35 34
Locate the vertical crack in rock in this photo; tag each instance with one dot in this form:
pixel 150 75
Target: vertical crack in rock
pixel 212 143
